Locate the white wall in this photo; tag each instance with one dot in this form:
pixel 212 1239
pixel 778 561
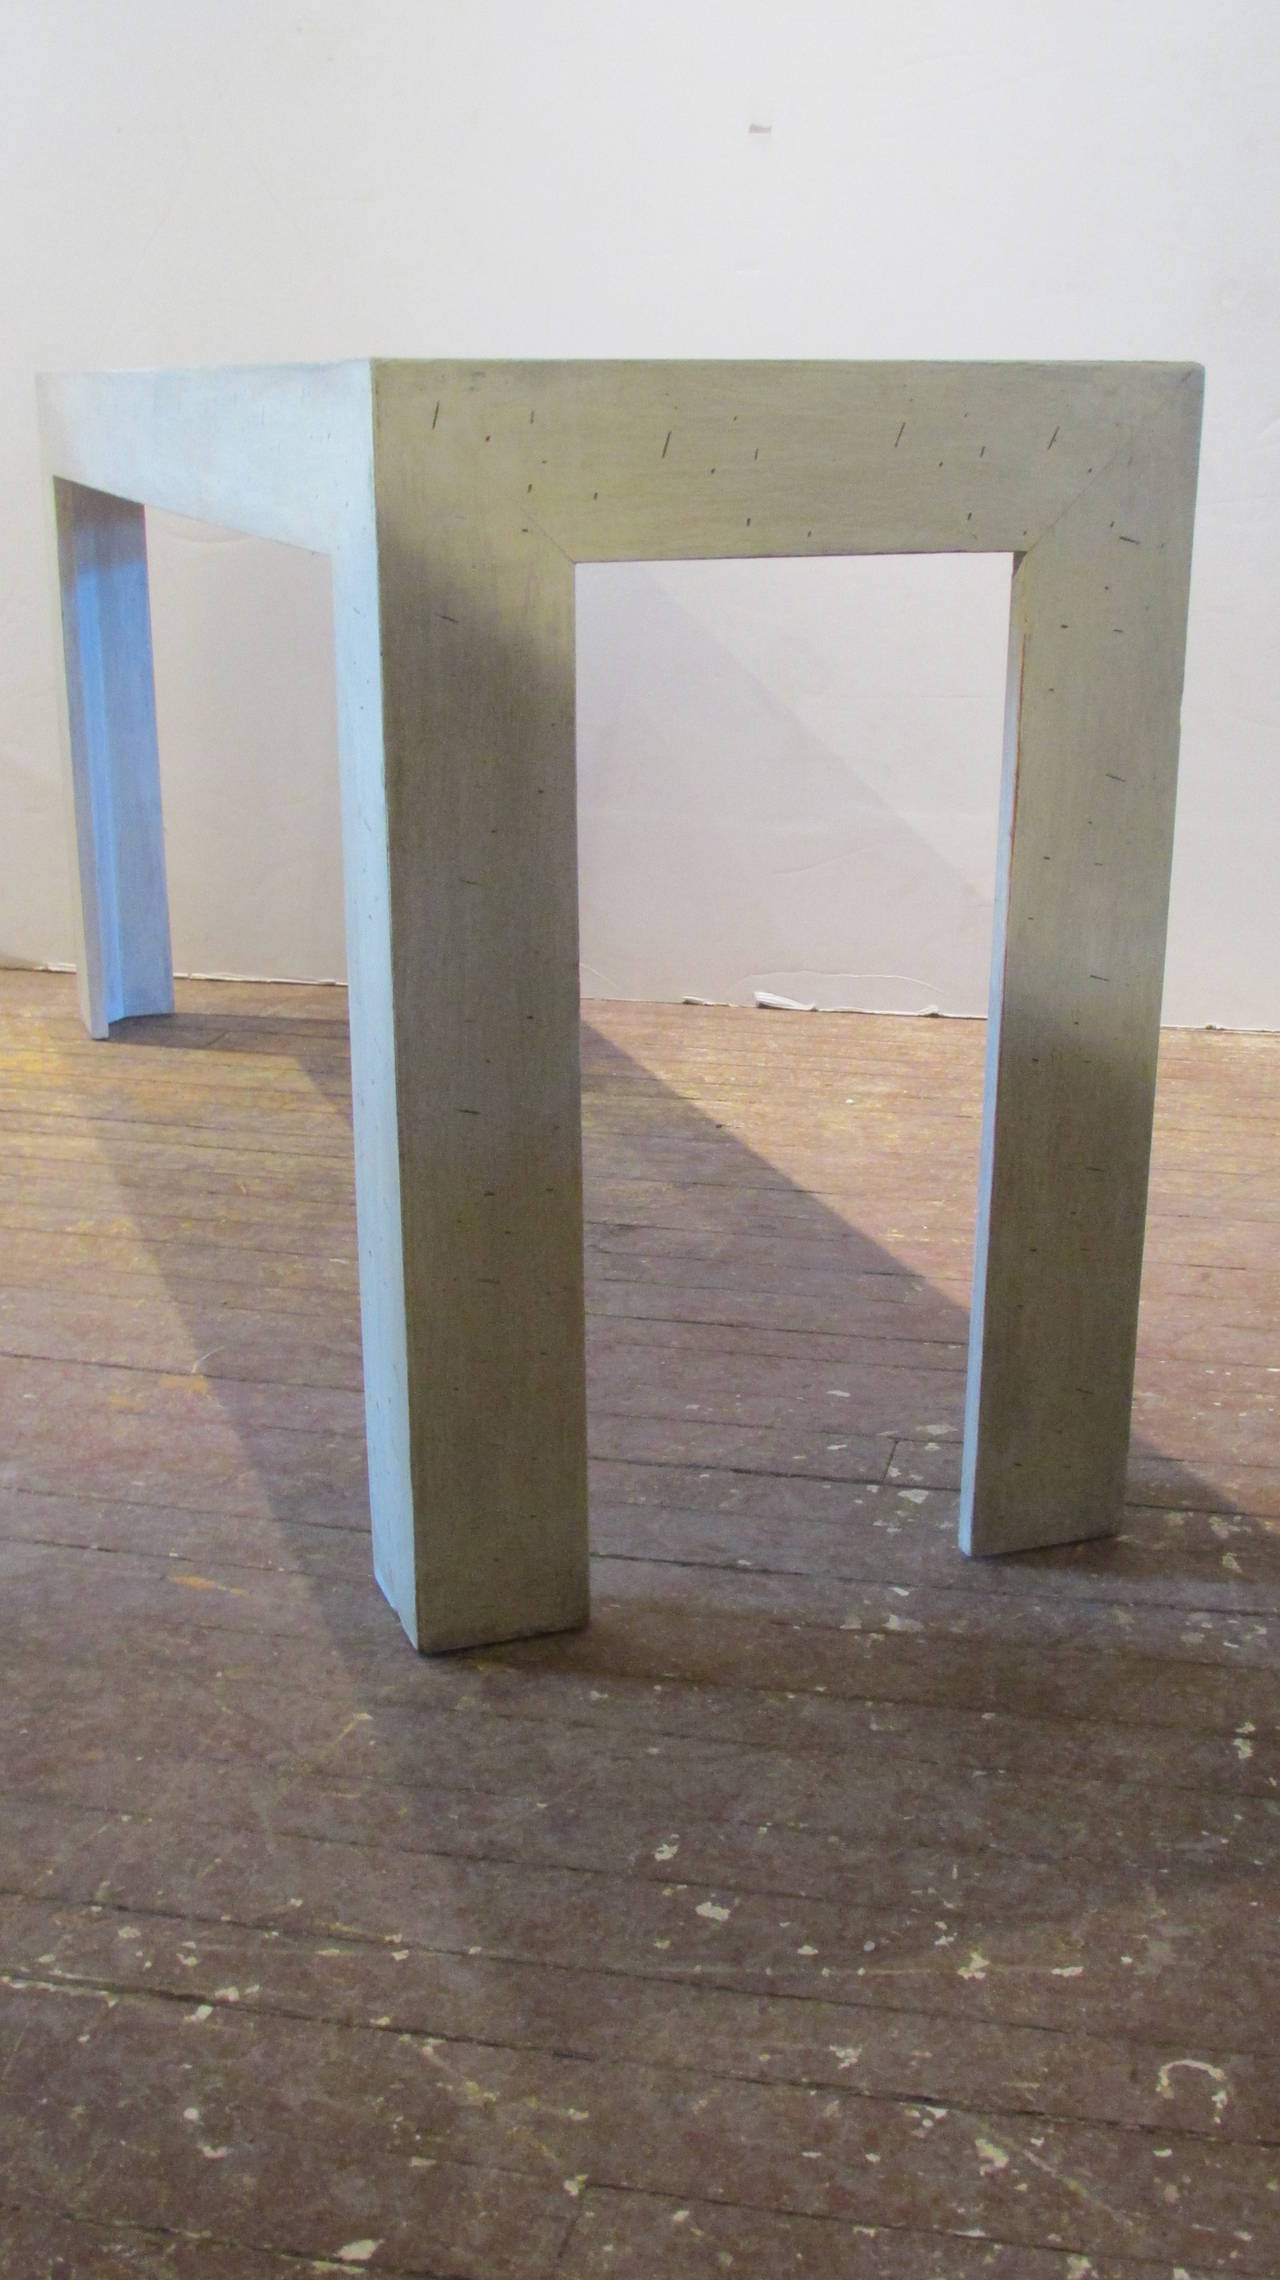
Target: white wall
pixel 788 771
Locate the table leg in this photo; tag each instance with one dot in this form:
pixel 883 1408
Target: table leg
pixel 109 734
pixel 1099 618
pixel 456 721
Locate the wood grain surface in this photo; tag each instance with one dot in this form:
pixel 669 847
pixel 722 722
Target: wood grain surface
pixel 831 1905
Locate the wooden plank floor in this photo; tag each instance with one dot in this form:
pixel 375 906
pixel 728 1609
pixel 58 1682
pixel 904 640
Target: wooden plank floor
pixel 830 1907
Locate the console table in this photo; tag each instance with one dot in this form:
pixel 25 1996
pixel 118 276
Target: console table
pixel 453 501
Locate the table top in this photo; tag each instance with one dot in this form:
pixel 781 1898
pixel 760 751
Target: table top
pixel 884 456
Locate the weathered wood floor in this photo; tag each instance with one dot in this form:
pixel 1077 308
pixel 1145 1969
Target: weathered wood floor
pixel 830 1907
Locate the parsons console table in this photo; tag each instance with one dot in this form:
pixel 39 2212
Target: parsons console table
pixel 453 501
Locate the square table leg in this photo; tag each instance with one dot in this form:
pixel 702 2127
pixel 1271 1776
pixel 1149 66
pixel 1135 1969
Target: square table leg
pixel 1090 775
pixel 109 737
pixel 456 732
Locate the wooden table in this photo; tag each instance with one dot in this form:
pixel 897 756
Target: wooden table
pixel 454 501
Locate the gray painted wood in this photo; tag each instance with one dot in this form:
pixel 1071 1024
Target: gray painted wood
pixel 1099 617
pixel 284 454
pixel 455 501
pixel 374 1093
pixel 111 757
pixel 478 696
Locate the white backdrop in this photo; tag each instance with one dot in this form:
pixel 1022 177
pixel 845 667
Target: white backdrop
pixel 787 770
